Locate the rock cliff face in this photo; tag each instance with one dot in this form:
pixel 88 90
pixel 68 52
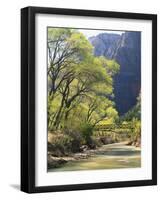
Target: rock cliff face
pixel 126 50
pixel 104 43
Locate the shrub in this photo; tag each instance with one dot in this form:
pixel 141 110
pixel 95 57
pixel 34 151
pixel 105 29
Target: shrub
pixel 61 145
pixel 87 132
pixel 76 139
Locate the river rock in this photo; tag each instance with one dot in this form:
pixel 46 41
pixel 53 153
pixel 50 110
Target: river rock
pixel 129 143
pixel 84 148
pixel 106 140
pixel 78 156
pixel 54 162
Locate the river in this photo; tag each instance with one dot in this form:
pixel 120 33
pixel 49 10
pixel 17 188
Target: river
pixel 113 156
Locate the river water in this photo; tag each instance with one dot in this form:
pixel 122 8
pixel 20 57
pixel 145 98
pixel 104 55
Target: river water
pixel 113 156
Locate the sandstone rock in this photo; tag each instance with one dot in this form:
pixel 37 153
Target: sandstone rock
pixel 84 148
pixel 55 162
pixel 106 140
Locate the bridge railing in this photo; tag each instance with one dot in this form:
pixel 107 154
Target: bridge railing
pixel 113 129
pixel 114 126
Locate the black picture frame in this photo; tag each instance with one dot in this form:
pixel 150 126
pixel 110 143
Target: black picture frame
pixel 28 98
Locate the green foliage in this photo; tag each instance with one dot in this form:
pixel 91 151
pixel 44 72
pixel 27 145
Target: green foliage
pixel 136 127
pixel 132 128
pixel 135 112
pixel 133 117
pixel 79 85
pixel 87 132
pixel 61 145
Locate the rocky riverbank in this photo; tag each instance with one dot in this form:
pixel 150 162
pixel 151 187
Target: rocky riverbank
pixel 55 161
pixel 111 156
pixel 60 153
pixel 136 142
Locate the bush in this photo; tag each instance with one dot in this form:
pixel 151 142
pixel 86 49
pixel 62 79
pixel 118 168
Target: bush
pixel 61 145
pixel 96 142
pixel 76 141
pixel 87 132
pixel 65 142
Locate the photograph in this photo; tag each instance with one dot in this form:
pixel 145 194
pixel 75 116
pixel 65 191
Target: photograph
pixel 89 99
pixel 93 99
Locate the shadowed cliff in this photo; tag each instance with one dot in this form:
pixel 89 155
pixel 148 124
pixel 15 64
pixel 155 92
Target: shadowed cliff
pixel 126 50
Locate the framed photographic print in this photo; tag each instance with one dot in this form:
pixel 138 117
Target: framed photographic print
pixel 88 99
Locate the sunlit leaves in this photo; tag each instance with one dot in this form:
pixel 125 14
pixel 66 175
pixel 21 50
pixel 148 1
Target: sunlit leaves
pixel 78 82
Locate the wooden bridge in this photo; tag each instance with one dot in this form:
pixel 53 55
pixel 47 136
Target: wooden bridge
pixel 114 130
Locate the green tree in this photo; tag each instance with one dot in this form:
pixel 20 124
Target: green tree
pixel 78 82
pixel 135 112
